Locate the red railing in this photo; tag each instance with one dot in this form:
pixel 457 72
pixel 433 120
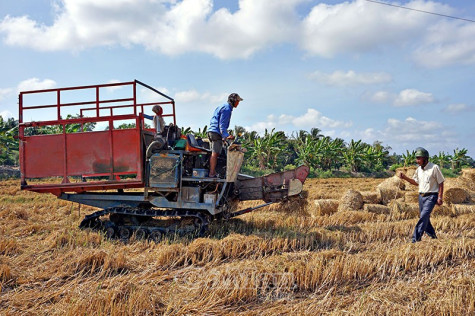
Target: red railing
pixel 108 153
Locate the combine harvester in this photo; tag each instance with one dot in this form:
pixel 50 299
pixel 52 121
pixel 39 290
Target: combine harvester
pixel 166 192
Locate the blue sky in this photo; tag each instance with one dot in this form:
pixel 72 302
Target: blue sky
pixel 354 69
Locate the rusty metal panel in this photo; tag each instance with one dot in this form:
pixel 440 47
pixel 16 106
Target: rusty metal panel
pixel 44 156
pixel 88 153
pixel 126 149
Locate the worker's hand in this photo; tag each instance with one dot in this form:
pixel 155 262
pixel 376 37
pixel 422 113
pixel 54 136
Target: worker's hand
pixel 230 137
pixel 440 201
pixel 401 175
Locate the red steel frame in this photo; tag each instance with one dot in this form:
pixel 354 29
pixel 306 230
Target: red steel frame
pixel 112 153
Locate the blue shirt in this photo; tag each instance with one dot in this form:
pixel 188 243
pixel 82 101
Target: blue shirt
pixel 220 120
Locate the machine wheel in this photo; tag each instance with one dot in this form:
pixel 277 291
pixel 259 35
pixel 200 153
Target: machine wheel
pixel 156 235
pixel 124 233
pixel 110 231
pixel 141 233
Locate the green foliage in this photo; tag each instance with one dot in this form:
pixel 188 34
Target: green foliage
pixel 274 151
pixel 449 173
pixel 8 141
pixel 58 129
pixel 409 158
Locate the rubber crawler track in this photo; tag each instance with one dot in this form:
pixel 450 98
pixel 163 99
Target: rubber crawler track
pixel 92 220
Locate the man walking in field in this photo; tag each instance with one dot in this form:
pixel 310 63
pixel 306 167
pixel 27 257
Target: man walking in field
pixel 431 190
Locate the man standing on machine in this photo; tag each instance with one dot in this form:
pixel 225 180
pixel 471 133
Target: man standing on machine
pixel 218 129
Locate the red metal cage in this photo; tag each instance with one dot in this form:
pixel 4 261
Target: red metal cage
pixel 81 160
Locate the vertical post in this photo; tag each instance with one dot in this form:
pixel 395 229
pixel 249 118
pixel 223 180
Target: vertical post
pixel 58 97
pixel 111 148
pixel 135 97
pixel 20 106
pixel 97 101
pixel 174 116
pixel 21 134
pixel 65 147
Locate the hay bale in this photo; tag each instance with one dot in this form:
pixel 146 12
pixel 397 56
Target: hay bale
pixel 390 189
pixel 411 197
pixel 456 195
pixel 442 210
pixel 324 207
pixel 408 171
pixel 469 174
pixel 466 180
pixel 371 197
pixel 460 209
pixel 351 200
pixel 377 208
pixel 403 210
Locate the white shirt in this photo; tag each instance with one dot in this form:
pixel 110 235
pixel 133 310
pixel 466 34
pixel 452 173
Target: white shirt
pixel 159 124
pixel 428 178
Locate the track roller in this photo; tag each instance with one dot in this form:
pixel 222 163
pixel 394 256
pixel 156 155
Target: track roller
pixel 155 235
pixel 141 233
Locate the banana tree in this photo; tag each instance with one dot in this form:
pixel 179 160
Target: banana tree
pixel 409 158
pixel 354 155
pixel 459 158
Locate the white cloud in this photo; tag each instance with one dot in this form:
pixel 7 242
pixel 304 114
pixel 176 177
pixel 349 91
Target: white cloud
pixel 177 27
pixel 340 78
pixel 381 97
pixel 361 26
pixel 410 133
pixel 458 108
pixel 4 93
pixel 36 84
pixel 6 114
pixel 289 123
pixel 409 97
pixel 447 44
pixel 191 96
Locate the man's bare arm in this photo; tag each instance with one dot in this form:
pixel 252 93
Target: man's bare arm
pixel 404 177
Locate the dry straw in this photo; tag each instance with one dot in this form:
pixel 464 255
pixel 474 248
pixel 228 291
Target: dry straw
pixel 377 208
pixel 390 189
pixel 324 207
pixel 460 209
pixel 408 171
pixel 371 197
pixel 456 195
pixel 352 200
pixel 411 197
pixel 403 210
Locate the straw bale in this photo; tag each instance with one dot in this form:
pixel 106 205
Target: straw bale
pixel 390 189
pixel 351 200
pixel 466 180
pixel 460 209
pixel 371 197
pixel 324 207
pixel 394 181
pixel 442 210
pixel 408 171
pixel 456 195
pixel 411 197
pixel 377 208
pixel 403 210
pixel 469 174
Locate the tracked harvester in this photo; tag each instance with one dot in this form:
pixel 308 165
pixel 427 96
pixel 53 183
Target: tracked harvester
pixel 114 166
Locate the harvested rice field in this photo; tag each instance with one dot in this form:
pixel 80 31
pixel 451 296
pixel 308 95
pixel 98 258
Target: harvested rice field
pixel 342 248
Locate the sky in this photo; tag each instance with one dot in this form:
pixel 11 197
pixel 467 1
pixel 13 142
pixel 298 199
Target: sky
pixel 353 69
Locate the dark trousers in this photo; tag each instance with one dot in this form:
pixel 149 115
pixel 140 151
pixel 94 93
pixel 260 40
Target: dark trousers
pixel 426 205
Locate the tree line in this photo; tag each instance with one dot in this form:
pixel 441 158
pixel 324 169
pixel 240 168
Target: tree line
pixel 275 151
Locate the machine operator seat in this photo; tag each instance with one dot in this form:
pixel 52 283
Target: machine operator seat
pixel 193 143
